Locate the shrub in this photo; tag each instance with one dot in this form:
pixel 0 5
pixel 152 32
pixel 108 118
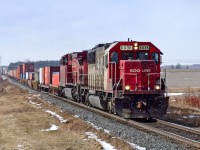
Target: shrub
pixel 193 100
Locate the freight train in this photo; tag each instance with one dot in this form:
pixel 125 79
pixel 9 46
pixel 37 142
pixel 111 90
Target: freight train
pixel 123 78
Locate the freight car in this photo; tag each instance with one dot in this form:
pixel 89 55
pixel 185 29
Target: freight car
pixel 121 77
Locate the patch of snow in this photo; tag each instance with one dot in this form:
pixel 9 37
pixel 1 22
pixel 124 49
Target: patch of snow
pixel 105 145
pixel 98 128
pixel 173 100
pixel 4 78
pixel 137 147
pixel 107 131
pixel 185 117
pixel 52 128
pixel 20 147
pixel 56 115
pixel 192 116
pixel 32 102
pixel 38 95
pixel 76 116
pixel 175 94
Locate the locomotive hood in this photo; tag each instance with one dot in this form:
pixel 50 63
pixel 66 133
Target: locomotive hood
pixel 137 74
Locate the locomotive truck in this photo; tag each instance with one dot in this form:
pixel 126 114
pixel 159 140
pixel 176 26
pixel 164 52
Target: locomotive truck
pixel 123 78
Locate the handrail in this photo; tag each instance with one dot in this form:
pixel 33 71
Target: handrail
pixel 121 79
pixel 149 80
pixel 115 72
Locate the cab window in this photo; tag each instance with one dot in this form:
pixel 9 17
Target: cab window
pixel 127 55
pixel 142 55
pixel 114 57
pixel 155 57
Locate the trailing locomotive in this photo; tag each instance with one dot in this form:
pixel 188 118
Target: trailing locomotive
pixel 121 77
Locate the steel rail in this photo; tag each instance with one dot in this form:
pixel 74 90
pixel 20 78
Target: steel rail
pixel 180 127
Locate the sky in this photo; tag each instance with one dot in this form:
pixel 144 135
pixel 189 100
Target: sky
pixel 48 29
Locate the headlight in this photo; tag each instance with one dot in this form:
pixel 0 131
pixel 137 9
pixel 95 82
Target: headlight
pixel 127 87
pixel 135 48
pixel 157 87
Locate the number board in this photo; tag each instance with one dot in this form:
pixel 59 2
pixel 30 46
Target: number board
pixel 126 47
pixel 144 47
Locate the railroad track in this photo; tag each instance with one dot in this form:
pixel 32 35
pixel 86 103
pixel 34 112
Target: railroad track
pixel 176 132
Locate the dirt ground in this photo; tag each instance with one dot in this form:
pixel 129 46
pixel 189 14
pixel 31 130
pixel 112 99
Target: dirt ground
pixel 25 124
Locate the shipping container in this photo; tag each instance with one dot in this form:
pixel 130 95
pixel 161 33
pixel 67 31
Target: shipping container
pixel 31 75
pixel 26 77
pixel 28 67
pixel 55 78
pixel 48 72
pixel 65 75
pixel 36 76
pixel 30 83
pixel 41 75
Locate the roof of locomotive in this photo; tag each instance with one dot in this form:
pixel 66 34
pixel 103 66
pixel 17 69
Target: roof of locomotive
pixel 113 44
pixel 109 46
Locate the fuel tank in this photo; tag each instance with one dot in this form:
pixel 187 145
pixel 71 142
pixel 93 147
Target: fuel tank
pixel 67 92
pixel 97 102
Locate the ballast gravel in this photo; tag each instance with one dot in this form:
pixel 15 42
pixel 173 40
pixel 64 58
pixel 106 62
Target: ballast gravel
pixel 132 135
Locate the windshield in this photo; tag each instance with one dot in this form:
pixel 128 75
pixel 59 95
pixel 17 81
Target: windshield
pixel 142 55
pixel 155 57
pixel 127 55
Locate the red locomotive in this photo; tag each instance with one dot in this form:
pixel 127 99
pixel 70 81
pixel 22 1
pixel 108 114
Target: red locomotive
pixel 120 77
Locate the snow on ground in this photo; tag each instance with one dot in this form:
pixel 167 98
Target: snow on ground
pixel 105 145
pixel 62 120
pixel 98 128
pixel 34 103
pixel 52 128
pixel 174 94
pixel 191 116
pixel 4 78
pixel 20 147
pixel 38 95
pixel 137 147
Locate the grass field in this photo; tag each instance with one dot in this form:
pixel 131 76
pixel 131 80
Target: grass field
pixel 183 79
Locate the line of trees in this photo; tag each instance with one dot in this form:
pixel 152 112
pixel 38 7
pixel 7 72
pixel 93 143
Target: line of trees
pixel 37 64
pixel 179 66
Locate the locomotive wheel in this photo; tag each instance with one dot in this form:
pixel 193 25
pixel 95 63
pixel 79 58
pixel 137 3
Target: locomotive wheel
pixel 109 107
pixel 87 103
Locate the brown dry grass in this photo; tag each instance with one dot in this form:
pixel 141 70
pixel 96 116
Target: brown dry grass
pixel 186 101
pixel 22 122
